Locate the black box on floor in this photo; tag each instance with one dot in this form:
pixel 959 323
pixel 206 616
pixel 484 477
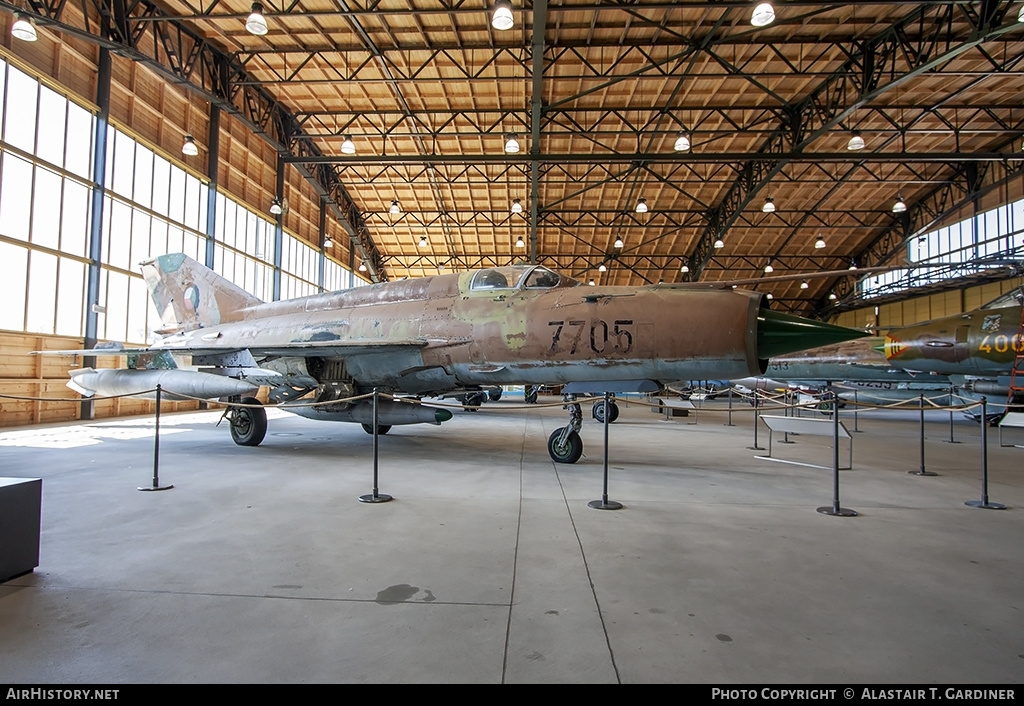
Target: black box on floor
pixel 20 506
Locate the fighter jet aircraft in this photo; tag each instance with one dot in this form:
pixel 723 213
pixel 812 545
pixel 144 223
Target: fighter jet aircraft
pixel 466 332
pixel 981 350
pixel 851 366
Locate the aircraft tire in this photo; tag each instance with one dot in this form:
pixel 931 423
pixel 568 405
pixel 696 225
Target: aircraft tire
pixel 381 429
pixel 248 424
pixel 570 453
pixel 530 396
pixel 598 412
pixel 495 394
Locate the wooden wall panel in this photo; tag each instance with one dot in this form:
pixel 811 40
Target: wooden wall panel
pixel 25 375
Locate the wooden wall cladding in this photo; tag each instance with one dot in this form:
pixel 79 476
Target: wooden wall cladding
pixel 44 376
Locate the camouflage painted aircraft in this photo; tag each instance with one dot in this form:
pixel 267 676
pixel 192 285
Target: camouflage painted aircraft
pixel 451 333
pixel 850 366
pixel 980 350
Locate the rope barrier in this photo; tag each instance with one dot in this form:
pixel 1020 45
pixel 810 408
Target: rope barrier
pixel 764 401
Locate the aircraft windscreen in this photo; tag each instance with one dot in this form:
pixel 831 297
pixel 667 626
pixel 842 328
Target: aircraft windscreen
pixel 1014 297
pixel 542 278
pixel 513 278
pixel 496 278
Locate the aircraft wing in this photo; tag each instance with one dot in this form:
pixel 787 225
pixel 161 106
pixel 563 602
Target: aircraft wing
pixel 335 349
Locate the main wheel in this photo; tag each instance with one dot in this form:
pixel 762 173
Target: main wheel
pixel 569 452
pixel 495 394
pixel 381 428
pixel 598 412
pixel 530 396
pixel 248 424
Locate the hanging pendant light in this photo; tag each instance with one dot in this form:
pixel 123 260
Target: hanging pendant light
pixel 602 268
pixel 256 22
pixel 517 206
pixel 685 268
pixel 719 243
pixel 900 206
pixel 275 207
pixel 682 142
pixel 641 206
pixel 23 29
pixel 618 241
pixel 764 14
pixel 512 144
pixel 362 267
pixel 856 142
pixel 189 148
pixel 768 206
pixel 501 18
pixel 328 243
pixel 423 241
pixel 819 243
pixel 395 208
pixel 591 282
pixel 348 146
pixel 804 285
pixel 768 269
pixel 520 243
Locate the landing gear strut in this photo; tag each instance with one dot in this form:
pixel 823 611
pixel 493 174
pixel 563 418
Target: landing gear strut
pixel 565 444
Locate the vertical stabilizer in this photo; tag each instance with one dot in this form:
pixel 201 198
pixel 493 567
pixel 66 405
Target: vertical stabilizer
pixel 188 295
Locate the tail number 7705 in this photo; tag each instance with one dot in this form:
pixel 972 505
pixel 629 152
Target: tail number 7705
pixel 605 338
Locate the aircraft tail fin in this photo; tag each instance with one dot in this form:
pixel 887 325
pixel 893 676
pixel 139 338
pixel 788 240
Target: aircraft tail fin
pixel 188 295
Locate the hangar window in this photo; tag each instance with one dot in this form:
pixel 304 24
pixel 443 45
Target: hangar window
pixel 984 241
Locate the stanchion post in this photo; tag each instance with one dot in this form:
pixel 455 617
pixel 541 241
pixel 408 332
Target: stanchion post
pixel 835 510
pixel 984 502
pixel 951 439
pixel 757 418
pixel 156 449
pixel 375 497
pixel 604 503
pixel 729 423
pixel 855 411
pixel 920 408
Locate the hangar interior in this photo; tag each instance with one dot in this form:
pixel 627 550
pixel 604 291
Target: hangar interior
pixel 333 144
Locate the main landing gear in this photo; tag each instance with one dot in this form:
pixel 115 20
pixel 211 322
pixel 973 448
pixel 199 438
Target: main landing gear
pixel 248 424
pixel 598 411
pixel 565 444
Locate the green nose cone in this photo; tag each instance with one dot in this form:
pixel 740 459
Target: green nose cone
pixel 441 415
pixel 778 334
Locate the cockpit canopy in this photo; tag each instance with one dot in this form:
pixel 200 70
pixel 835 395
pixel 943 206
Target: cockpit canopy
pixel 518 277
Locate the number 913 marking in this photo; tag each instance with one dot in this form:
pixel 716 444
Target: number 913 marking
pixel 604 338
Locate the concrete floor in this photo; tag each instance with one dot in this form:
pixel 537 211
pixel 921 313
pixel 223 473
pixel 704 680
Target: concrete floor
pixel 261 565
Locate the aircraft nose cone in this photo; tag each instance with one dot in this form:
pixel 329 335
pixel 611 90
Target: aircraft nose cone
pixel 779 333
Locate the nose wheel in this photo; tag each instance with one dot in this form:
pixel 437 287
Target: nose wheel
pixel 565 444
